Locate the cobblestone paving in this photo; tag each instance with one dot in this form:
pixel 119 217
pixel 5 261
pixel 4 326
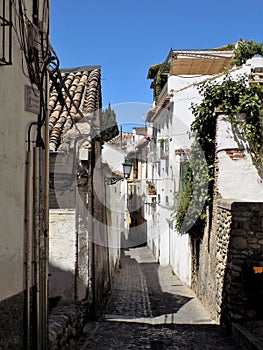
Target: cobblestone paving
pixel 150 308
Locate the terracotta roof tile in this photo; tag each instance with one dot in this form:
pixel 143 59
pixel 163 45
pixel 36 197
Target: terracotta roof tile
pixel 84 86
pixel 124 138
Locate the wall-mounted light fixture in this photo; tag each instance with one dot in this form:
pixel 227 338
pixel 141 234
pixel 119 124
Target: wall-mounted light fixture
pixel 127 168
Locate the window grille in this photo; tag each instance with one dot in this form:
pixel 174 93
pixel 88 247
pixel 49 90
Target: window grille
pixel 6 33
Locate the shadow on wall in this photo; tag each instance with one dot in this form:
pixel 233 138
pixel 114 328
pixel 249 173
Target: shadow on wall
pixel 136 235
pixel 62 284
pixel 242 293
pixel 12 322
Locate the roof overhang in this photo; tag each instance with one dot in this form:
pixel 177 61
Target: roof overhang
pixel 202 62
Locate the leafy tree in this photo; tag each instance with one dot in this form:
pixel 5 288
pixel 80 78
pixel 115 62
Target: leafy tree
pixel 109 126
pixel 247 49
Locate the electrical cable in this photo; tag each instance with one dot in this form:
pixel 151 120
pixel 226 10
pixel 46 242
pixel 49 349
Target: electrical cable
pixel 38 55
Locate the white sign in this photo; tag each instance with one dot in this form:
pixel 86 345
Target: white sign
pixel 32 100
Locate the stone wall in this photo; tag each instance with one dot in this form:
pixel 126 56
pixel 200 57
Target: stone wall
pixel 229 280
pixel 66 322
pixel 243 281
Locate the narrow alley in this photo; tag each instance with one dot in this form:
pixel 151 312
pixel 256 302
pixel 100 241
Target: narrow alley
pixel 150 308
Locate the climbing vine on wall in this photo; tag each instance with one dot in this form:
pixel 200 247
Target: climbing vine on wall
pixel 233 97
pixel 159 73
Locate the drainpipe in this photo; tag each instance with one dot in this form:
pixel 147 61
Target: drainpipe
pixel 93 270
pixel 46 224
pixel 28 239
pixel 36 246
pixel 105 211
pixel 77 210
pixel 28 235
pixel 76 246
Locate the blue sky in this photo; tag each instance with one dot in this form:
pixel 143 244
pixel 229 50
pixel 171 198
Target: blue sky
pixel 127 37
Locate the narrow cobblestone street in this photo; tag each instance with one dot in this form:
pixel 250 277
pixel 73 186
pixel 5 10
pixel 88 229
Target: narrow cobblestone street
pixel 150 308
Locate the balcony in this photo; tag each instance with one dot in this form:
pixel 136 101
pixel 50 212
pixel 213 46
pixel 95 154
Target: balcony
pixel 256 76
pixel 163 93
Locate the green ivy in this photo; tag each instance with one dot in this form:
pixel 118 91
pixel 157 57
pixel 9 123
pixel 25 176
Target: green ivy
pixel 246 50
pixel 190 214
pixel 233 97
pixel 160 78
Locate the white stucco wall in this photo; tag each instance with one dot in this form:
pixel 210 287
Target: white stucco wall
pixel 179 82
pixel 115 221
pixel 12 177
pixel 181 256
pixel 113 156
pixel 237 178
pixel 62 252
pixel 13 136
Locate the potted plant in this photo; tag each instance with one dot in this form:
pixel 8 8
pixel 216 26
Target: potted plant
pixel 151 188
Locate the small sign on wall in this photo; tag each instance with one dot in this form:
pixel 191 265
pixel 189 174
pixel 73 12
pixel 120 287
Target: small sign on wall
pixel 32 100
pixel 258 269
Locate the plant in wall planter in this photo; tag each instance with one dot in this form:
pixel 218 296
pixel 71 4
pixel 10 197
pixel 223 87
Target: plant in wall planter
pixel 163 142
pixel 151 189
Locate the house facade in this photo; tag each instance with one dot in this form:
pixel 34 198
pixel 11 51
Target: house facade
pixel 83 255
pixel 171 118
pixel 24 175
pixel 200 263
pixel 128 208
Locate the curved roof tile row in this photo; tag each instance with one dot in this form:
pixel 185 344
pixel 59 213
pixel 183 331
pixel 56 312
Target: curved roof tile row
pixel 84 88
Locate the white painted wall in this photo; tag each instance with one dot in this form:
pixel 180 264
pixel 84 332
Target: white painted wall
pixel 13 135
pixel 179 82
pixel 237 178
pixel 180 255
pixel 115 221
pixel 173 247
pixel 62 253
pixel 113 156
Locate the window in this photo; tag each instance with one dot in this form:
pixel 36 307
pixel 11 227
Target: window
pixel 164 148
pixel 5 33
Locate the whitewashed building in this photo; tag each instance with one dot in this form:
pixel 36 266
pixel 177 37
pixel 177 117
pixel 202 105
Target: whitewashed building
pixel 24 59
pixel 171 119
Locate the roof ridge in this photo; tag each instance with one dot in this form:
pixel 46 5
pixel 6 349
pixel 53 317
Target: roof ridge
pixel 80 69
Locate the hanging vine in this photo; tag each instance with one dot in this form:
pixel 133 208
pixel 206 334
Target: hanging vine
pixel 233 97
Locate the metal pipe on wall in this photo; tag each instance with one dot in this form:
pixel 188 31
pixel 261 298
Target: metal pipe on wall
pixel 93 250
pixel 29 240
pixel 36 222
pixel 28 237
pixel 41 246
pixel 46 228
pixel 76 247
